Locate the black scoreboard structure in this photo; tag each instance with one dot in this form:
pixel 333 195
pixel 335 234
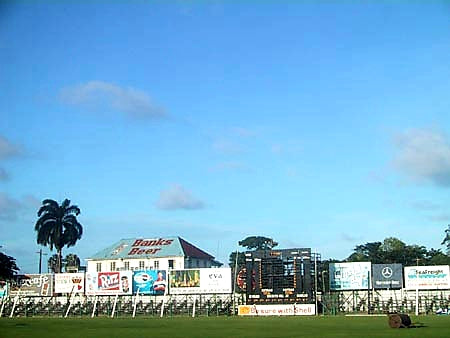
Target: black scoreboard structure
pixel 280 276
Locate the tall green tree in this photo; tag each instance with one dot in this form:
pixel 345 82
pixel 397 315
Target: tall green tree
pixel 258 243
pixel 366 252
pixel 8 267
pixel 250 243
pixel 52 263
pixel 57 226
pixel 391 250
pixel 72 261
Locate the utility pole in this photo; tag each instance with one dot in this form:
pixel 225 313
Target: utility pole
pixel 40 259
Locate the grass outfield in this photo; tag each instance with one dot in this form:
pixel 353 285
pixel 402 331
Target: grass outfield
pixel 332 326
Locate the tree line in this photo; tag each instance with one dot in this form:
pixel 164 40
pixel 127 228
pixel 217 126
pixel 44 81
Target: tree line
pixel 390 250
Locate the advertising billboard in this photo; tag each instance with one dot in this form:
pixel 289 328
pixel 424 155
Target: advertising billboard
pixel 3 289
pixel 349 276
pixel 109 283
pixel 69 283
pixel 277 310
pixel 387 276
pixel 150 282
pixel 427 277
pixel 200 281
pixel 33 285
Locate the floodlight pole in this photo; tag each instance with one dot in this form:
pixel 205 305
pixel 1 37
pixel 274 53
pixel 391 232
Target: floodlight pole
pixel 315 282
pixel 417 287
pixel 234 279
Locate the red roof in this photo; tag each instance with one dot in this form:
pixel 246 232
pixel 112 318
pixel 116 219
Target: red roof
pixel 192 251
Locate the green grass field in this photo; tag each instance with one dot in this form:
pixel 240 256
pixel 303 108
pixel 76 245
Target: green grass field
pixel 338 326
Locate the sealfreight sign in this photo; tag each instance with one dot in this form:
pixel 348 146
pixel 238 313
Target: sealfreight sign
pixel 277 310
pixel 108 283
pixel 69 283
pixel 200 281
pixel 33 285
pixel 150 282
pixel 427 277
pixel 387 276
pixel 349 276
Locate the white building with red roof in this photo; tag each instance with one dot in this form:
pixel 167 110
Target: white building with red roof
pixel 152 254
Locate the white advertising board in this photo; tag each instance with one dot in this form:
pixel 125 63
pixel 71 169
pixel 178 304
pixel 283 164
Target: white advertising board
pixel 277 310
pixel 349 276
pixel 427 277
pixel 69 282
pixel 109 283
pixel 200 281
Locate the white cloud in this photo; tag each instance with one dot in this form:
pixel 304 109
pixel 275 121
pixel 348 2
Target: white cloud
pixel 131 101
pixel 424 155
pixel 7 149
pixel 176 197
pixel 230 166
pixel 227 147
pixel 425 205
pixel 243 132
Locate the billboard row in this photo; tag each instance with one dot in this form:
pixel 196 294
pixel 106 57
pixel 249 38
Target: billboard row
pixel 387 276
pixel 108 283
pixel 33 285
pixel 200 281
pixel 69 283
pixel 350 276
pixel 427 277
pixel 150 282
pixel 3 289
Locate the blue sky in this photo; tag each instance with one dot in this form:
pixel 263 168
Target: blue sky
pixel 320 124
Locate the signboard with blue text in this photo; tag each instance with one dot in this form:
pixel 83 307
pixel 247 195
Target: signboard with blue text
pixel 427 277
pixel 350 276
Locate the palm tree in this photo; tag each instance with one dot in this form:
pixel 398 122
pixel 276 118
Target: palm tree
pixel 57 226
pixel 72 261
pixel 52 263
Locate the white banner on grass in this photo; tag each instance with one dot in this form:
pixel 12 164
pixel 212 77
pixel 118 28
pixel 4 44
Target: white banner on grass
pixel 277 310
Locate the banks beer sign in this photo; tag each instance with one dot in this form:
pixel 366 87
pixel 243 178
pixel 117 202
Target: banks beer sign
pixel 148 246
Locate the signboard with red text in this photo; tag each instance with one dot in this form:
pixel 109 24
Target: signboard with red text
pixel 69 283
pixel 109 283
pixel 277 310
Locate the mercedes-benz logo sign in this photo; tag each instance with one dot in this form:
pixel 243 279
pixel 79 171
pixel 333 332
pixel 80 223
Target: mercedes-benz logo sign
pixel 387 272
